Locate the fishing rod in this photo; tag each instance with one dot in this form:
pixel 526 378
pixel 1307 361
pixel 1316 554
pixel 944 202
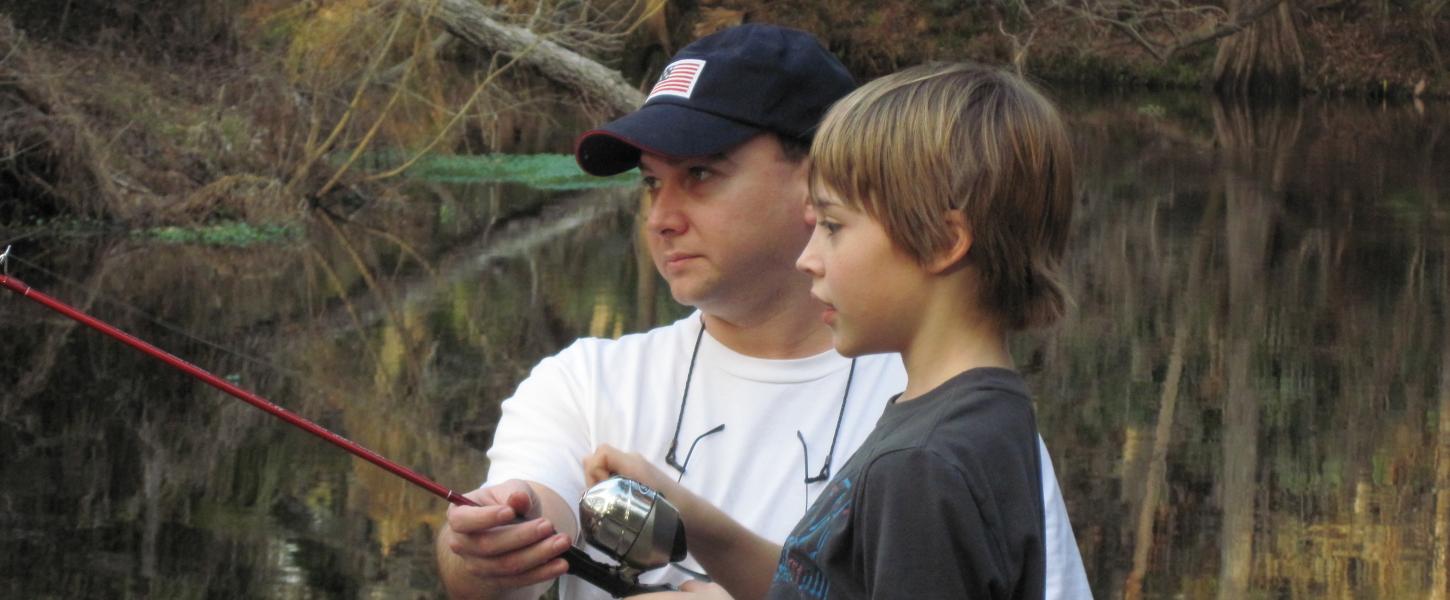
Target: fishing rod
pixel 616 581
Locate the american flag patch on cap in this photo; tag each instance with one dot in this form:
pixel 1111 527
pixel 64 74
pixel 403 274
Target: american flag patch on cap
pixel 678 79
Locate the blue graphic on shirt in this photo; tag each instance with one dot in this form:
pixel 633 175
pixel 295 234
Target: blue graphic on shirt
pixel 799 568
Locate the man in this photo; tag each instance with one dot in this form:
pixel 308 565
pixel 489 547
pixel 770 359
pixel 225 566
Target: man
pixel 744 401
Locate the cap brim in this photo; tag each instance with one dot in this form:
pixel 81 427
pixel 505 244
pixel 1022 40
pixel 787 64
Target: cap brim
pixel 664 129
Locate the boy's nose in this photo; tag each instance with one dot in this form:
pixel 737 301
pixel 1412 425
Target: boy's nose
pixel 809 262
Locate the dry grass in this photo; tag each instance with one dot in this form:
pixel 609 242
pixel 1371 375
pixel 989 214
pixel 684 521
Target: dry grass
pixel 49 161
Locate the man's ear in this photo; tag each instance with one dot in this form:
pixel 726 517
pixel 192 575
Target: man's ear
pixel 961 241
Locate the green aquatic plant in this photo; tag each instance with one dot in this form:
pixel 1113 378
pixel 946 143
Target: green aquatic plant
pixel 541 171
pixel 222 234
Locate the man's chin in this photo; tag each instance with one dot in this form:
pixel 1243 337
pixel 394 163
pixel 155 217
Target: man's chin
pixel 690 292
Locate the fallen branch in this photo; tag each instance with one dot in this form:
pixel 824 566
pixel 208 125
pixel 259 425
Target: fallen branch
pixel 478 26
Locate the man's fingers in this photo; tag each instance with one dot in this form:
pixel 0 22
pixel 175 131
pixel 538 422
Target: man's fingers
pixel 500 541
pixel 475 519
pixel 523 503
pixel 546 572
pixel 520 561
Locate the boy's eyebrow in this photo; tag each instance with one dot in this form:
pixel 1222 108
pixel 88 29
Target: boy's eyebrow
pixel 819 201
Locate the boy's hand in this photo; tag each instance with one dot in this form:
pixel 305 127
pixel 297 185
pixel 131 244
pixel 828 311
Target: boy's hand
pixel 608 461
pixel 690 590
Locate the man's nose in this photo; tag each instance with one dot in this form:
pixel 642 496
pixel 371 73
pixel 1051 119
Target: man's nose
pixel 665 215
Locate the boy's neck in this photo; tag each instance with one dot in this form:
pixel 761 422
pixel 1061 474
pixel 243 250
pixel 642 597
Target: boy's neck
pixel 950 341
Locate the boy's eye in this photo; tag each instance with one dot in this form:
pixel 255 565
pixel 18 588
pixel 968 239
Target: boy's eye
pixel 700 173
pixel 650 182
pixel 831 227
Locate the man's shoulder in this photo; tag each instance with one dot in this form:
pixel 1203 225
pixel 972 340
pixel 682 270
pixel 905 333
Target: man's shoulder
pixel 659 343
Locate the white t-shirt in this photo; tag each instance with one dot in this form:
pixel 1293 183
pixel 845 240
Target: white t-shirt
pixel 627 392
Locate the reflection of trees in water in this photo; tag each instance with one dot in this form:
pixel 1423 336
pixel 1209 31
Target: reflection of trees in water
pixel 1255 150
pixel 1311 360
pixel 123 477
pixel 1440 564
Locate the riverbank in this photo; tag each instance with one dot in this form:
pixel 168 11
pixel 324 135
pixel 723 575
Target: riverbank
pixel 252 114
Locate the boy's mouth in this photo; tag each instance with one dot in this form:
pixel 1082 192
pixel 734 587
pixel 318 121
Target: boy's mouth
pixel 829 314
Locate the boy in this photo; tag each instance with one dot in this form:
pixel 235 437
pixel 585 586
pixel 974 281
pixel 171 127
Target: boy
pixel 941 197
pixel 722 147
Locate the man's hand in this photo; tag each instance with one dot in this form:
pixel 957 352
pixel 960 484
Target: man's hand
pixel 503 544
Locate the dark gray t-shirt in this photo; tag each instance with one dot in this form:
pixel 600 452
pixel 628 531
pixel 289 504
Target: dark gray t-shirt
pixel 943 500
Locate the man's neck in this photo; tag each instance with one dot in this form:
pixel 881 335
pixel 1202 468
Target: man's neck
pixel 791 331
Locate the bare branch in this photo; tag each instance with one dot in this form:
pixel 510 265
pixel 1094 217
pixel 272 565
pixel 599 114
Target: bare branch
pixel 1238 25
pixel 1161 27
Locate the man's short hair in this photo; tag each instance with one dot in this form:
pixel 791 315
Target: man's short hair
pixel 908 147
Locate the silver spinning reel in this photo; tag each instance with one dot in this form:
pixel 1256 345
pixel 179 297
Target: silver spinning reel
pixel 633 524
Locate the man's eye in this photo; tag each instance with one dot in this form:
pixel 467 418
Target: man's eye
pixel 700 173
pixel 650 182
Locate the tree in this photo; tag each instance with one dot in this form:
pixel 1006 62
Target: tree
pixel 1265 57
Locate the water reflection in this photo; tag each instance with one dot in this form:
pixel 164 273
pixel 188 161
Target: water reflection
pixel 1252 396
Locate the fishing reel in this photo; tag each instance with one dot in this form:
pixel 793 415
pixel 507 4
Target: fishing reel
pixel 633 524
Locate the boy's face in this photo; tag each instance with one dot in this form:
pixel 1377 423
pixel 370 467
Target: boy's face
pixel 870 287
pixel 723 230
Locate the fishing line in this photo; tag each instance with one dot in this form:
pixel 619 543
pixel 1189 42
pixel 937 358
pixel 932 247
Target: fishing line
pixel 302 379
pixel 157 321
pixel 615 580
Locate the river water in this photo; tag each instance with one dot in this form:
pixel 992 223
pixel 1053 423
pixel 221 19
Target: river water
pixel 1251 397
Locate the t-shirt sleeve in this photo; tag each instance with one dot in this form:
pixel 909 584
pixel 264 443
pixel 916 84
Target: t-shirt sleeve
pixel 921 531
pixel 1066 577
pixel 543 433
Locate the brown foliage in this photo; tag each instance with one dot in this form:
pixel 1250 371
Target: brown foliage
pixel 160 28
pixel 49 161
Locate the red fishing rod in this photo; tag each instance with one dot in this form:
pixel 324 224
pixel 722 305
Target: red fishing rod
pixel 580 564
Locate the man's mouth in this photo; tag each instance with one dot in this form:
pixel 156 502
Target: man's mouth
pixel 677 258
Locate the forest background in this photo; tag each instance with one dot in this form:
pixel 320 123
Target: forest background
pixel 145 112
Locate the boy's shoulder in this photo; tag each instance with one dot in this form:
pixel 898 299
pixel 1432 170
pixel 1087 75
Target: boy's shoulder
pixel 975 407
pixel 975 424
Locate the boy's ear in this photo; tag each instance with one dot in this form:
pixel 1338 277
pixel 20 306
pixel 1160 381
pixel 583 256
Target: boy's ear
pixel 961 242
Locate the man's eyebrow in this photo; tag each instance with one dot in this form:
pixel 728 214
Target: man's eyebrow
pixel 675 161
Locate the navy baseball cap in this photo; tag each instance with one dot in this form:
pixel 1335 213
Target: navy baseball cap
pixel 720 91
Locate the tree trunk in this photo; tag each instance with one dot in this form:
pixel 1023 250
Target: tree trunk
pixel 475 24
pixel 1263 59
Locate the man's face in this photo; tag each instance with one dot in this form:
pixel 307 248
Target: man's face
pixel 725 230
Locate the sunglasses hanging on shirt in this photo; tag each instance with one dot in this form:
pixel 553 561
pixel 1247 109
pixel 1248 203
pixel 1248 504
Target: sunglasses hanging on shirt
pixel 671 457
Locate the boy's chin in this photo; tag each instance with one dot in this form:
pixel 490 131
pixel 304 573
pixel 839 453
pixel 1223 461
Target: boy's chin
pixel 850 348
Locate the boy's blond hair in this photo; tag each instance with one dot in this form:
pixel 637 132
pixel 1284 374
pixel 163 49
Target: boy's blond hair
pixel 911 146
